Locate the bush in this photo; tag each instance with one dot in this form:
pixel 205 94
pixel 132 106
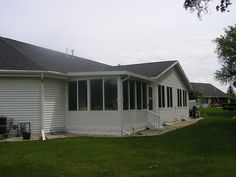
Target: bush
pixel 230 107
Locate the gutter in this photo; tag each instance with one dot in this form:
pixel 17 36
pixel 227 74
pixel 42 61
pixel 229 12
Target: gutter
pixel 114 73
pixel 32 73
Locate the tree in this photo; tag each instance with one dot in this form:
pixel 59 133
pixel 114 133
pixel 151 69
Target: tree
pixel 230 90
pixel 201 6
pixel 226 51
pixel 231 94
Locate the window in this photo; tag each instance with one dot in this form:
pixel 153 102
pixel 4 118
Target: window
pixel 138 94
pixel 125 95
pixel 96 94
pixel 179 97
pixel 144 90
pixel 150 100
pixel 72 95
pixel 161 96
pixel 184 98
pixel 82 95
pixel 110 94
pixel 132 94
pixel 169 97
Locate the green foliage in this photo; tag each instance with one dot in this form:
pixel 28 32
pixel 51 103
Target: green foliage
pixel 205 149
pixel 194 95
pixel 229 107
pixel 231 94
pixel 201 6
pixel 226 51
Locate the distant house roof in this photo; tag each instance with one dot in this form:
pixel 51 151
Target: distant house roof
pixel 207 90
pixel 16 55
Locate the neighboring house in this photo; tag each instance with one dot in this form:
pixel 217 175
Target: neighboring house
pixel 208 95
pixel 59 92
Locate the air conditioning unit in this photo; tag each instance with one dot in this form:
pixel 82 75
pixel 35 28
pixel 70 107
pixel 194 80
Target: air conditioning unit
pixel 3 127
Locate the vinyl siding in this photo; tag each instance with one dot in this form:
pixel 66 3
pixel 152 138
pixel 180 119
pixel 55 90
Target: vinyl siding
pixel 20 99
pixel 54 106
pixel 172 79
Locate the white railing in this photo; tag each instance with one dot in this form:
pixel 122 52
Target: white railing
pixel 153 120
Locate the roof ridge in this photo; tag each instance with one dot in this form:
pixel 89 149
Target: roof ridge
pixel 200 83
pixel 38 65
pixel 147 63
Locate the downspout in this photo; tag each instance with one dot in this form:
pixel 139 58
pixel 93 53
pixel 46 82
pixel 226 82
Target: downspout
pixel 42 101
pixel 121 107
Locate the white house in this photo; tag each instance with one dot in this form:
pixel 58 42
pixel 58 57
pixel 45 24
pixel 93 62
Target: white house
pixel 60 92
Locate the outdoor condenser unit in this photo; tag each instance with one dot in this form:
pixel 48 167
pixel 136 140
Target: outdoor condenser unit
pixel 3 127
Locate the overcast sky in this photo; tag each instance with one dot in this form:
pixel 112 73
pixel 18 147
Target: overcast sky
pixel 121 31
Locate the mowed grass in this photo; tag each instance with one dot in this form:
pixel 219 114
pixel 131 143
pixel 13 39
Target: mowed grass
pixel 205 149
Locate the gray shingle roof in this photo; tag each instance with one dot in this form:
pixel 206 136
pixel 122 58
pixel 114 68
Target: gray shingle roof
pixel 16 55
pixel 207 90
pixel 146 69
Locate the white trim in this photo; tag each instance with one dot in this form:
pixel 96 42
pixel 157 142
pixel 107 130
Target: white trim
pixel 88 95
pixel 113 73
pixel 120 101
pixel 103 94
pixel 77 91
pixel 128 94
pixel 42 101
pixel 31 72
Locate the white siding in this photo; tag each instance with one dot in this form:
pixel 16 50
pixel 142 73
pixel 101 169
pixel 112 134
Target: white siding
pixel 20 99
pixel 134 120
pixel 93 122
pixel 172 79
pixel 54 105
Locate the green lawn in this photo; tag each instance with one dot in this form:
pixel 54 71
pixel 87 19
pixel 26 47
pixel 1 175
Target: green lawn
pixel 207 148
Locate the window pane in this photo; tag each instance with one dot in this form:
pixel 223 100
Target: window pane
pixel 184 98
pixel 168 96
pixel 72 95
pixel 171 97
pixel 144 89
pixel 138 86
pixel 179 97
pixel 150 101
pixel 82 86
pixel 149 92
pixel 96 94
pixel 125 95
pixel 110 94
pixel 159 96
pixel 132 94
pixel 150 104
pixel 163 96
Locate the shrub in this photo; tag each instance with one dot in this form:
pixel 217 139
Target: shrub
pixel 230 107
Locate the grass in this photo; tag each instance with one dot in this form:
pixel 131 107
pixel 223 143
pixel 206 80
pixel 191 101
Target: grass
pixel 205 149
